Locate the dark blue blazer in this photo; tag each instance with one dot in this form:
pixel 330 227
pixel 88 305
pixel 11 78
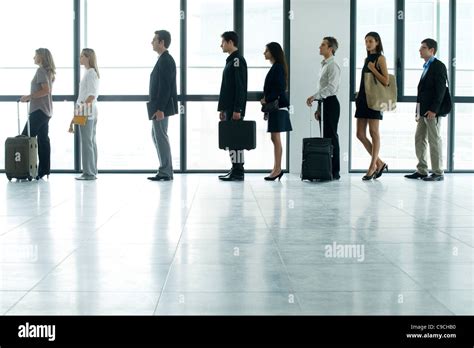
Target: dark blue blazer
pixel 275 86
pixel 163 92
pixel 431 89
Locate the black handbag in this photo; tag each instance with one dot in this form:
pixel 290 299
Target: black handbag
pixel 271 106
pixel 446 104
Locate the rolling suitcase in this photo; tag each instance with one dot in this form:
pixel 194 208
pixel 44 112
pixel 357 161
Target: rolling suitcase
pixel 237 135
pixel 317 156
pixel 21 154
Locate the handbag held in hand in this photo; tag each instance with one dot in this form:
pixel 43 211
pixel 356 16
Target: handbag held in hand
pixel 271 106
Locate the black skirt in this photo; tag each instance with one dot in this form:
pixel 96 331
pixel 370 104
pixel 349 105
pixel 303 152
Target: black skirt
pixel 363 110
pixel 279 121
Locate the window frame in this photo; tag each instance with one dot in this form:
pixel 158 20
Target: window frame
pixel 183 97
pixel 399 23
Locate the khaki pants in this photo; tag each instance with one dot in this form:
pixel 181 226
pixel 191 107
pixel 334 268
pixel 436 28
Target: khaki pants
pixel 428 132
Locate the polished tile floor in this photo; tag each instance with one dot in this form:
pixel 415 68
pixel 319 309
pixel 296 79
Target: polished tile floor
pixel 123 245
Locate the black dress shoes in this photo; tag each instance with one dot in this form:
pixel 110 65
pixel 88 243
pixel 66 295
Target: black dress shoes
pixel 415 175
pixel 226 174
pixel 232 176
pixel 159 177
pixel 434 177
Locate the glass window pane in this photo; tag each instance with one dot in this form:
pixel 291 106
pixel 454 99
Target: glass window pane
pixel 378 17
pixel 206 20
pixel 62 142
pixel 464 48
pixel 25 32
pixel 263 23
pixel 397 134
pixel 424 19
pixel 124 139
pixel 464 139
pixel 9 126
pixel 123 42
pixel 203 145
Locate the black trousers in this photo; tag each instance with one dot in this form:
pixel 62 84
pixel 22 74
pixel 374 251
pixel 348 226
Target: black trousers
pixel 331 112
pixel 39 127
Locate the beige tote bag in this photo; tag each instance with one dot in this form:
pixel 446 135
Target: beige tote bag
pixel 379 97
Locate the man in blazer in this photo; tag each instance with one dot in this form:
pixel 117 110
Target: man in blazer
pixel 233 97
pixel 163 103
pixel 431 92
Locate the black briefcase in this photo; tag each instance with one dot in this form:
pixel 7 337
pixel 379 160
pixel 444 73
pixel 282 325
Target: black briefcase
pixel 237 135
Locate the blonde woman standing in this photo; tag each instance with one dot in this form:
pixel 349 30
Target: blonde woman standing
pixel 41 107
pixel 87 100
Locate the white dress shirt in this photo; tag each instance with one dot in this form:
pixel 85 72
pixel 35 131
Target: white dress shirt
pixel 330 77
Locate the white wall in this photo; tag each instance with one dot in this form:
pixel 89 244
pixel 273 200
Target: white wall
pixel 313 20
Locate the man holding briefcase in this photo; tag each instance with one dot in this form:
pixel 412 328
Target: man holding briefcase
pixel 233 98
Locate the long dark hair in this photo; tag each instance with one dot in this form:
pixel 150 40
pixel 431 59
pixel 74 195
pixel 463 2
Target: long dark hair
pixel 279 56
pixel 376 36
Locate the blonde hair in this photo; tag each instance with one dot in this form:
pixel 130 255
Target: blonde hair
pixel 89 53
pixel 47 62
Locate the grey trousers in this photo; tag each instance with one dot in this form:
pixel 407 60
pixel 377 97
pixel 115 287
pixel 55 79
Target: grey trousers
pixel 428 132
pixel 159 133
pixel 89 147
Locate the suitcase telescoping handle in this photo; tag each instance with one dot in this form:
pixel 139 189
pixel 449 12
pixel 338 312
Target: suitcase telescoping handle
pixel 311 115
pixel 28 117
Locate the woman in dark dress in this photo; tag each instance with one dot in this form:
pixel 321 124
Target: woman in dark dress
pixel 376 64
pixel 274 89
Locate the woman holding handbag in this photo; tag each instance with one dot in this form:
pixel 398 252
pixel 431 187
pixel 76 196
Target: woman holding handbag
pixel 275 103
pixel 87 105
pixel 375 64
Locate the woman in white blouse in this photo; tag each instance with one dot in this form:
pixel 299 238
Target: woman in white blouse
pixel 87 104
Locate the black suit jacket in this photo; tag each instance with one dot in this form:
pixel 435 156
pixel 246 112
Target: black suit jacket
pixel 163 92
pixel 275 86
pixel 233 95
pixel 432 87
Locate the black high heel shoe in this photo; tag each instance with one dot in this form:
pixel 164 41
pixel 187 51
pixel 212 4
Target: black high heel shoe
pixel 38 177
pixel 369 177
pixel 273 178
pixel 380 172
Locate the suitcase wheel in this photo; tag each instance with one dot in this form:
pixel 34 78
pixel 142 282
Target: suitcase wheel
pixel 30 178
pixel 9 178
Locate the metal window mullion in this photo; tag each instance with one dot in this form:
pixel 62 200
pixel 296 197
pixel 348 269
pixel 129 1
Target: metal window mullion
pixel 183 87
pixel 452 83
pixel 286 48
pixel 77 78
pixel 352 73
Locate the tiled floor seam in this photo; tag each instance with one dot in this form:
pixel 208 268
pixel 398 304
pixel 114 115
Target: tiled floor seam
pixel 39 281
pixel 176 250
pixel 416 282
pixel 291 290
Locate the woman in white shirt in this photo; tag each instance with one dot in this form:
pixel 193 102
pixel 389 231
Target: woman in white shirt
pixel 87 104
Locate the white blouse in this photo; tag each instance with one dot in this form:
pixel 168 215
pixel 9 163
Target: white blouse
pixel 88 86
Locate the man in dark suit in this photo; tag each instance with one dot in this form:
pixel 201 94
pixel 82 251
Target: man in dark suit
pixel 233 97
pixel 431 92
pixel 163 102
